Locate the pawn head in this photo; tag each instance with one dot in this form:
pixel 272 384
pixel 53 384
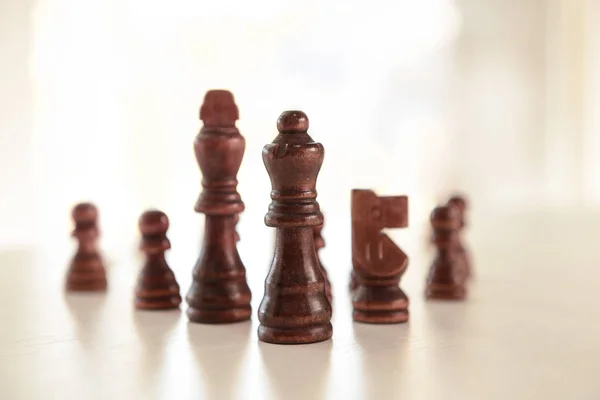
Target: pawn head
pixel 85 213
pixel 292 122
pixel 459 202
pixel 153 222
pixel 219 109
pixel 444 217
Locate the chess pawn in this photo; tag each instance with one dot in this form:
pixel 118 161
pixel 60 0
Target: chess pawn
pixel 446 278
pixel 378 263
pixel 219 292
pixel 461 206
pixel 319 244
pixel 86 272
pixel 294 309
pixel 156 288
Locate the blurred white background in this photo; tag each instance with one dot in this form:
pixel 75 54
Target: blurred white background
pixel 100 99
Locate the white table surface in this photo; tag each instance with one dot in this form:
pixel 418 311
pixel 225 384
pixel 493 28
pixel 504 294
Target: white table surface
pixel 529 330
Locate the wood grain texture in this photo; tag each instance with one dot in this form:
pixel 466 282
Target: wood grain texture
pixel 86 271
pixel 295 308
pixel 378 263
pixel 219 292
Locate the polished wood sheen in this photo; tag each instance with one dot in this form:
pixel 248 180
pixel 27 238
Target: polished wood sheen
pixel 86 271
pixel 378 263
pixel 157 288
pixel 295 308
pixel 219 292
pixel 447 274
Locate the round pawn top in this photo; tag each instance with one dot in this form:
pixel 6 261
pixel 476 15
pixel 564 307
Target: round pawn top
pixel 292 122
pixel 459 202
pixel 153 222
pixel 219 108
pixel 444 214
pixel 84 213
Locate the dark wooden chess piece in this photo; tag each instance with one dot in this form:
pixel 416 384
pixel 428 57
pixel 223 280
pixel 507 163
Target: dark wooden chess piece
pixel 156 288
pixel 219 292
pixel 86 271
pixel 319 244
pixel 447 274
pixel 461 205
pixel 378 264
pixel 294 309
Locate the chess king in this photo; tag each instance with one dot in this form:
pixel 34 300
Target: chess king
pixel 219 291
pixel 377 262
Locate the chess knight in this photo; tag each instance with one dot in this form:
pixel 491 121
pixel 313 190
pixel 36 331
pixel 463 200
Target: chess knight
pixel 378 263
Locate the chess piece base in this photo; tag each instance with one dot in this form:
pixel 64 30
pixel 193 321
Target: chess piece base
pixel 381 317
pixel 308 335
pixel 158 303
pixel 86 282
pixel 222 316
pixel 445 292
pixel 380 305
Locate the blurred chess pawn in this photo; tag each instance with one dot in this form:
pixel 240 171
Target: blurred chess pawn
pixel 447 274
pixel 156 288
pixel 86 271
pixel 460 204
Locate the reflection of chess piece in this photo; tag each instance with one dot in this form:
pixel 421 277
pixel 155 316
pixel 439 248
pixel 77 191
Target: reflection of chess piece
pixel 157 288
pixel 447 273
pixel 86 272
pixel 378 263
pixel 319 244
pixel 294 309
pixel 461 205
pixel 219 292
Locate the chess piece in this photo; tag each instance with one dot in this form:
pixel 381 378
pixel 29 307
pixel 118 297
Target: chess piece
pixel 319 244
pixel 219 292
pixel 86 272
pixel 461 205
pixel 157 288
pixel 378 263
pixel 294 309
pixel 447 274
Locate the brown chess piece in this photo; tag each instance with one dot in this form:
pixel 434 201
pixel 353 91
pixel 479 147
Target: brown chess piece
pixel 319 244
pixel 461 205
pixel 294 309
pixel 378 264
pixel 86 272
pixel 157 288
pixel 447 274
pixel 219 292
